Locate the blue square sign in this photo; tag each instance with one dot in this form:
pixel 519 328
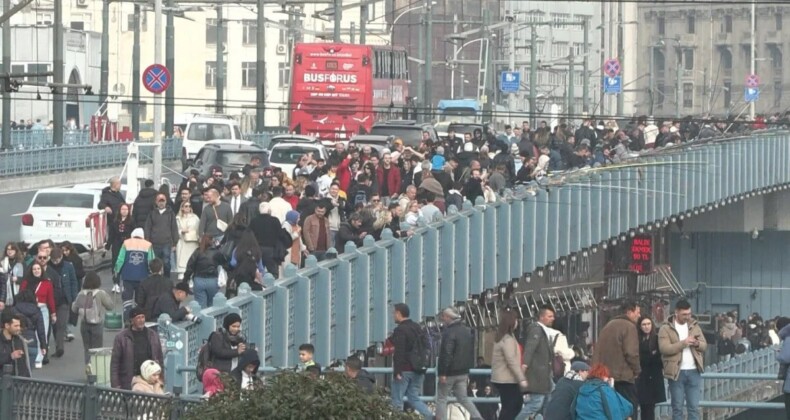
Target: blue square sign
pixel 510 82
pixel 612 85
pixel 751 94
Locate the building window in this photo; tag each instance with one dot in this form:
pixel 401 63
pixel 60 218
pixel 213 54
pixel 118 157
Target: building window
pixel 541 48
pixel 211 32
pixel 44 19
pixel 776 58
pixel 211 73
pixel 727 94
pixel 688 95
pixel 560 20
pixel 77 25
pixel 249 76
pixel 284 75
pixel 283 38
pixel 662 29
pixel 777 94
pixel 778 21
pixel 728 24
pixel 559 49
pixel 130 22
pixel 38 68
pixel 688 59
pixel 249 32
pixel 578 48
pixel 658 97
pixel 726 59
pixel 691 24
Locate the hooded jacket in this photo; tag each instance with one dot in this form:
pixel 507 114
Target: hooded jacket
pixel 166 303
pixel 597 400
pixel 558 406
pixel 34 323
pixel 144 204
pixel 249 356
pixel 671 347
pixel 618 349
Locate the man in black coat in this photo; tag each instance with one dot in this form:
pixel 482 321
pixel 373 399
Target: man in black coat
pixel 13 350
pixel 170 302
pixel 144 203
pixel 456 357
pixel 111 197
pixel 408 379
pixel 151 288
pixel 350 231
pixel 272 238
pixel 559 404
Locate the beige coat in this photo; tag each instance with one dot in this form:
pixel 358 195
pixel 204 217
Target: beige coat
pixel 671 347
pixel 506 362
pixel 141 385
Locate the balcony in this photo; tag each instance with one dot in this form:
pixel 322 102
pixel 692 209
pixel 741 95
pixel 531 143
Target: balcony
pixel 746 38
pixel 688 40
pixel 724 39
pixel 773 37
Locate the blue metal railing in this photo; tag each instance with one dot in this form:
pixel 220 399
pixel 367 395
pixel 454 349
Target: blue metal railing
pixel 42 139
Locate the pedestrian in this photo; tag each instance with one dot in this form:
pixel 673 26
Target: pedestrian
pixel 245 374
pixel 152 287
pixel 456 357
pixel 45 296
pixel 317 235
pixel 783 357
pixel 537 362
pixel 13 350
pixel 306 353
pixel 149 381
pixel 161 229
pixel 132 267
pixel 202 269
pixel 144 204
pixel 618 350
pixel 350 231
pixel 226 345
pixel 560 402
pixel 650 383
pixel 111 197
pixel 354 371
pixel 272 238
pixel 70 286
pixel 597 400
pixel 297 250
pixel 91 304
pixel 409 341
pixel 119 228
pixel 170 303
pixel 507 375
pixel 33 330
pixel 71 255
pixel 131 347
pixel 682 345
pixel 246 264
pixel 212 383
pixel 188 224
pixel 216 217
pixel 13 269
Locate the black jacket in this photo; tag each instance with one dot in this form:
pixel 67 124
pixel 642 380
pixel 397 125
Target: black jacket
pixel 346 233
pixel 269 232
pixel 161 229
pixel 559 404
pixel 111 199
pixel 57 285
pixel 33 323
pixel 144 204
pixel 223 348
pixel 366 381
pixel 21 366
pixel 248 357
pixel 650 382
pixel 404 338
pixel 166 303
pixel 250 207
pixel 150 289
pixel 203 264
pixel 457 350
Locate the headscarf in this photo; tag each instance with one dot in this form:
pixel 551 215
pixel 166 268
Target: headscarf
pixel 292 217
pixel 148 369
pixel 212 383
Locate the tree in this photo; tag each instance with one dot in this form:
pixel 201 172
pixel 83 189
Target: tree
pixel 291 395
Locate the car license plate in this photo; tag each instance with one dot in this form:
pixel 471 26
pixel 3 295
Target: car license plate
pixel 58 223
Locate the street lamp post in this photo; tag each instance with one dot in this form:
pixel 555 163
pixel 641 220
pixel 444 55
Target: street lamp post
pixel 457 51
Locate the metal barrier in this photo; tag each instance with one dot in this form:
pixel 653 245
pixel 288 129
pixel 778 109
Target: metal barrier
pixel 42 138
pixel 263 139
pixel 71 158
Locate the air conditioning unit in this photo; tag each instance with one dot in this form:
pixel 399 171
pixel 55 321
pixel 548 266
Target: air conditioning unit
pixel 282 49
pixel 82 3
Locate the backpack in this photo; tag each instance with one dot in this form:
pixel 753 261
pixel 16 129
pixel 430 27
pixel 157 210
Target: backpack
pixel 204 358
pixel 90 311
pixel 420 355
pixel 360 197
pixel 557 362
pixel 607 411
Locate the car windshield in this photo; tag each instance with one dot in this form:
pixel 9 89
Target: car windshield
pixel 238 159
pixel 290 154
pixel 71 200
pixel 411 136
pixel 208 131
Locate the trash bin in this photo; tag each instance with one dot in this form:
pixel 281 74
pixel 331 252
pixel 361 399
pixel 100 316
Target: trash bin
pixel 100 365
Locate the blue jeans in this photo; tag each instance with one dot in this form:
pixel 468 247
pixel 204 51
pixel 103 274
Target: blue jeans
pixel 410 386
pixel 164 253
pixel 533 405
pixel 205 289
pixel 688 387
pixel 127 296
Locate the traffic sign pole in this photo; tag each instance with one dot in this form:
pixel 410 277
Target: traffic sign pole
pixel 158 96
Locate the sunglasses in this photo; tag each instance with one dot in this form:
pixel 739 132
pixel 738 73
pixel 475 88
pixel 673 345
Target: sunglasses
pixel 42 258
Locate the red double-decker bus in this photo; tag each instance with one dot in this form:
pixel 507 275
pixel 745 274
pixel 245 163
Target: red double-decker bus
pixel 338 90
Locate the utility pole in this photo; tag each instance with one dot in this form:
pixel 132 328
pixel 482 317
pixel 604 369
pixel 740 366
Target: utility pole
pixel 511 99
pixel 136 75
pixel 678 82
pixel 7 70
pixel 260 70
pixel 571 92
pixel 105 52
pixel 651 79
pixel 586 69
pixel 428 59
pixel 601 96
pixel 753 53
pixel 421 67
pixel 158 96
pixel 352 33
pixel 363 22
pixel 220 73
pixel 338 18
pixel 533 75
pixel 170 63
pixel 57 69
pixel 620 54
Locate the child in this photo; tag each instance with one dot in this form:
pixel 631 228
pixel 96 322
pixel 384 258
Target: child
pixel 306 358
pixel 437 161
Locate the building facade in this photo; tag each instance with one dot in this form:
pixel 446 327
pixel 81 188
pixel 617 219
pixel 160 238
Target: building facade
pixel 699 56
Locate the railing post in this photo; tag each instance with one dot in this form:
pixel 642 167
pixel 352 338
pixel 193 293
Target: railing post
pixel 91 400
pixel 7 392
pixel 176 404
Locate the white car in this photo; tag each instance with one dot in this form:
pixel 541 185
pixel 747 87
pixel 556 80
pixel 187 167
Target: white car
pixel 214 128
pixel 65 214
pixel 287 150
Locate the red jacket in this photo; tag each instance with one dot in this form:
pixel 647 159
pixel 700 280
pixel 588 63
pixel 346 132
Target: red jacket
pixel 393 180
pixel 343 174
pixel 292 200
pixel 44 293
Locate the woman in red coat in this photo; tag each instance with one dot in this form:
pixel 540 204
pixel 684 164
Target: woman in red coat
pixel 45 296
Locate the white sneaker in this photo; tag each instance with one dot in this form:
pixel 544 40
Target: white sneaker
pixel 116 288
pixel 39 365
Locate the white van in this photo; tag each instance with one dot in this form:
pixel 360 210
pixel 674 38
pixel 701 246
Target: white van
pixel 214 128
